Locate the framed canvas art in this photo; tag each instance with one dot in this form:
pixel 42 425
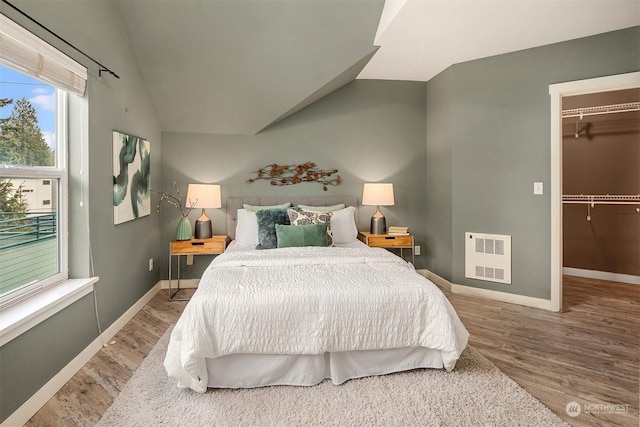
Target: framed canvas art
pixel 131 177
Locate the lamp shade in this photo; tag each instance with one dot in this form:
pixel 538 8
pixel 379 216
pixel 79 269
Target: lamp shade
pixel 204 196
pixel 377 194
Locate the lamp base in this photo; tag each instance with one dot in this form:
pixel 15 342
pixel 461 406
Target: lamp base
pixel 204 230
pixel 378 224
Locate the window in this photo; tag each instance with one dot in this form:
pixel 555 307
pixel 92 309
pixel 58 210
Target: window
pixel 34 80
pixel 33 178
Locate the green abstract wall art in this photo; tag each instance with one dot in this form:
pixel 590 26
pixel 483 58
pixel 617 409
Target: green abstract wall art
pixel 131 177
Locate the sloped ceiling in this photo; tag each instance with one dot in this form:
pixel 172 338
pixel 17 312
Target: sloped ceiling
pixel 420 38
pixel 239 66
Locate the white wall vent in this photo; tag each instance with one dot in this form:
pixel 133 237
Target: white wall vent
pixel 488 257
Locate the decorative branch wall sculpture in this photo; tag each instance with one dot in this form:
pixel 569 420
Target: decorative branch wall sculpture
pixel 289 175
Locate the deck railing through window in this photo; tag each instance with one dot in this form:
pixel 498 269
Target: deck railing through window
pixel 17 229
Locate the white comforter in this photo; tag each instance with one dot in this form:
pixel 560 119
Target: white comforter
pixel 309 301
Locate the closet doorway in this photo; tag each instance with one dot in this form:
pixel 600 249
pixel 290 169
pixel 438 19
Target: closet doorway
pixel 590 174
pixel 601 185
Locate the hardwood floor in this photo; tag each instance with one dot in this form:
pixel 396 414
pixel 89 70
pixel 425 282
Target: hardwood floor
pixel 589 354
pixel 83 400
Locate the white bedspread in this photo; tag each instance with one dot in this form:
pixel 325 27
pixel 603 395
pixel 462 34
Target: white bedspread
pixel 309 300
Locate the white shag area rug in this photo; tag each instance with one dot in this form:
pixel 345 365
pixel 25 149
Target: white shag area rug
pixel 476 393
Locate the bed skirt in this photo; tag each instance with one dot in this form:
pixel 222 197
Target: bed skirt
pixel 261 370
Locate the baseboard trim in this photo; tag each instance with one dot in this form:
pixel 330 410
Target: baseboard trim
pixel 47 391
pixel 602 275
pixel 489 294
pixel 184 284
pixel 439 281
pixel 503 296
pixel 422 272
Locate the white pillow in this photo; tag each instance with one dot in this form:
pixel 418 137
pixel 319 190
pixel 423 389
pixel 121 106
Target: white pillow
pixel 343 226
pixel 246 228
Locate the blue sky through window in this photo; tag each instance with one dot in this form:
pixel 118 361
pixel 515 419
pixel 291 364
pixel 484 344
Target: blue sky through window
pixel 41 95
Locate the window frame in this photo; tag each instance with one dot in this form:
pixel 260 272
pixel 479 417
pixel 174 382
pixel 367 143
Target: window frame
pixel 59 172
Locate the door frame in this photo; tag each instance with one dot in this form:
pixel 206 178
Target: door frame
pixel 557 91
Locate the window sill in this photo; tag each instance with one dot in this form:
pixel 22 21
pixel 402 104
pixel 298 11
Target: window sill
pixel 19 318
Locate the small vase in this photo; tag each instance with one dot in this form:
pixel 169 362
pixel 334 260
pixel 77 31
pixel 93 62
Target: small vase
pixel 183 231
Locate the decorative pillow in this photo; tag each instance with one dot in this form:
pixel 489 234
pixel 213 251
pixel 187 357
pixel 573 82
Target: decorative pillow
pixel 254 208
pixel 343 226
pixel 331 208
pixel 302 235
pixel 246 228
pixel 267 220
pixel 300 217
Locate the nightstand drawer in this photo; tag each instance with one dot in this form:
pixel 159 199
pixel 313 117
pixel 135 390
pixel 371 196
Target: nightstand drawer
pixel 385 241
pixel 214 245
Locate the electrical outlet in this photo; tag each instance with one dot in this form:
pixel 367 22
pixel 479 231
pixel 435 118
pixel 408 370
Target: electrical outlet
pixel 416 250
pixel 150 264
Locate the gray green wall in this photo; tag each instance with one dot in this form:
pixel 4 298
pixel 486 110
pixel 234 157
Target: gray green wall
pixel 493 124
pixel 439 185
pixel 487 141
pixel 371 131
pixel 120 253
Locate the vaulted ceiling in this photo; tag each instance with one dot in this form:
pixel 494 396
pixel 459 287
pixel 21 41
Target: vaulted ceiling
pixel 239 66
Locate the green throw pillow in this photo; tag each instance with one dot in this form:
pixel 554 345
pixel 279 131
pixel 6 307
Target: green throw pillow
pixel 300 217
pixel 301 235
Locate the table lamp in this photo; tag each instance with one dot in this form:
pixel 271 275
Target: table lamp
pixel 203 196
pixel 378 194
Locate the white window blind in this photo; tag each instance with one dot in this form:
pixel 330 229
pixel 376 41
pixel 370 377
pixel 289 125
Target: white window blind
pixel 24 52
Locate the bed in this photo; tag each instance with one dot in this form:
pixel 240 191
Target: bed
pixel 301 314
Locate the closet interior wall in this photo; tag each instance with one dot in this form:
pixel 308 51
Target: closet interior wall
pixel 601 156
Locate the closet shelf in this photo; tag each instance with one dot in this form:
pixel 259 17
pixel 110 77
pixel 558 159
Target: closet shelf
pixel 599 199
pixel 601 109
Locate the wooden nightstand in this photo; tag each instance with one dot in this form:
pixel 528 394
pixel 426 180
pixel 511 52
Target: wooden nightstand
pixel 389 242
pixel 212 246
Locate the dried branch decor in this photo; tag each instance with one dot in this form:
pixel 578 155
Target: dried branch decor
pixel 289 175
pixel 175 201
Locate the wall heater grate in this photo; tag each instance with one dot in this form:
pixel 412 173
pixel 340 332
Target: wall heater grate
pixel 488 257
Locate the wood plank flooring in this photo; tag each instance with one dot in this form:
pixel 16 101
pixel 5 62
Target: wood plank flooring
pixel 83 400
pixel 589 354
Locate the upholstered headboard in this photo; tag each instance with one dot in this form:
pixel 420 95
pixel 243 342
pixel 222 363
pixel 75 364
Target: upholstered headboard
pixel 235 203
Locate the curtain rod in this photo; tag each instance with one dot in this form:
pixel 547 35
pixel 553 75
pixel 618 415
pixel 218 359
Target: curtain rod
pixel 103 68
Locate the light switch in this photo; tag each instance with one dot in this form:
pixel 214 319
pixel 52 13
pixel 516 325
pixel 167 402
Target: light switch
pixel 538 188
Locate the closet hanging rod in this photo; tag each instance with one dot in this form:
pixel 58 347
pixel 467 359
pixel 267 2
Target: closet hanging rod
pixel 585 202
pixel 601 109
pixel 599 199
